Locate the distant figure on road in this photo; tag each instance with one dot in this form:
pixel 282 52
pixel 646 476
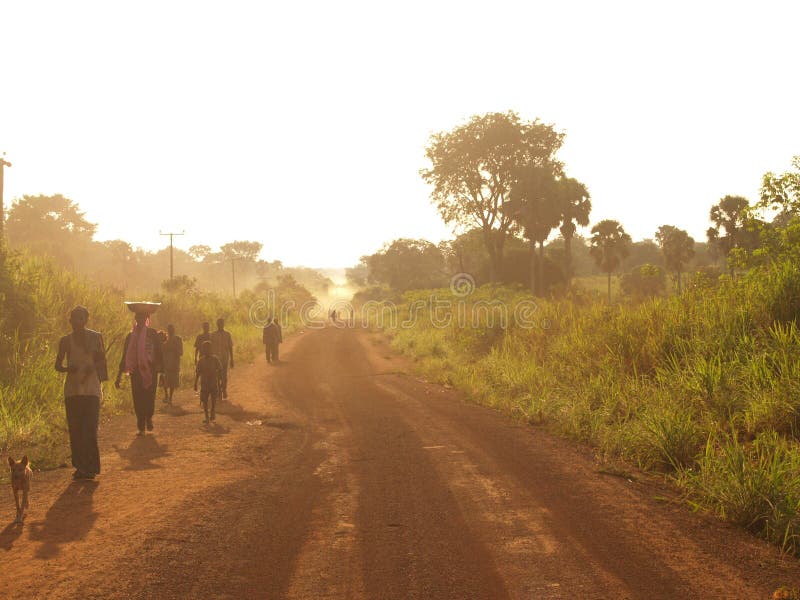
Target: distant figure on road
pixel 86 368
pixel 203 337
pixel 209 372
pixel 272 338
pixel 142 358
pixel 173 350
pixel 222 348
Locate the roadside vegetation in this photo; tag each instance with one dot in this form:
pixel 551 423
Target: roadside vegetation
pixel 681 357
pixel 36 295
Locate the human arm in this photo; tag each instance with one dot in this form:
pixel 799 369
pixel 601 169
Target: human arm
pixel 118 380
pixel 100 361
pixel 61 355
pixel 230 348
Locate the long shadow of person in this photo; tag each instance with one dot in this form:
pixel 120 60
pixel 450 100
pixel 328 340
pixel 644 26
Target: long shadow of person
pixel 69 519
pixel 216 429
pixel 9 535
pixel 142 453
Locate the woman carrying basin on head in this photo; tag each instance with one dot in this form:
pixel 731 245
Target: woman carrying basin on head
pixel 142 358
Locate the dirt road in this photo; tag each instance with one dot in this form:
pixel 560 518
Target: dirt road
pixel 337 474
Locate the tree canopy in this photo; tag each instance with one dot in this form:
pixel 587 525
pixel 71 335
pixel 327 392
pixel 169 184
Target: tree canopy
pixel 473 167
pixel 678 249
pixel 610 244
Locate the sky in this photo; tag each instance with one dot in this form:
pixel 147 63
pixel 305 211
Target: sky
pixel 302 125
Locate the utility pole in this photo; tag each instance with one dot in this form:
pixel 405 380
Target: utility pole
pixel 171 263
pixel 233 274
pixel 3 164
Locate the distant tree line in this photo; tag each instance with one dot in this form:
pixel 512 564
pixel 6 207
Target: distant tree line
pixel 497 180
pixel 55 226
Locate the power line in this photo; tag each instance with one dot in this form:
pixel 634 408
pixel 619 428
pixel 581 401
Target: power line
pixel 171 261
pixel 3 164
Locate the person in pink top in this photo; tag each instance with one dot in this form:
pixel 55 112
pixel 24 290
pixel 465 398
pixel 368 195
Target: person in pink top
pixel 142 359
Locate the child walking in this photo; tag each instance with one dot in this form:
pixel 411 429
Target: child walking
pixel 209 373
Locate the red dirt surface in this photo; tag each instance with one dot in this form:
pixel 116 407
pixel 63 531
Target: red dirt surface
pixel 338 474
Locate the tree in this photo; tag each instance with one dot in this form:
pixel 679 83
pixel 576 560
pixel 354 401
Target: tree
pixel 782 192
pixel 472 171
pixel 407 264
pixel 357 276
pixel 535 204
pixel 575 209
pixel 678 249
pixel 180 285
pixel 609 246
pixel 246 251
pixel 199 252
pixel 54 221
pixel 645 281
pixel 734 226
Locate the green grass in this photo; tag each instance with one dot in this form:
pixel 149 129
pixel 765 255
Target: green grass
pixel 36 297
pixel 703 387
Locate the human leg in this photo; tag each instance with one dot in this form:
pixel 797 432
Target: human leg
pixel 90 421
pixel 74 425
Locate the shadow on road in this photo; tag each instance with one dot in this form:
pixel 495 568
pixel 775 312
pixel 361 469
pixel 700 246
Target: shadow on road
pixel 173 410
pixel 142 453
pixel 9 535
pixel 236 412
pixel 70 518
pixel 216 430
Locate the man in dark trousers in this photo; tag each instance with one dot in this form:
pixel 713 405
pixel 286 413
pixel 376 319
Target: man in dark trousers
pixel 86 368
pixel 222 348
pixel 173 350
pixel 272 337
pixel 203 337
pixel 142 358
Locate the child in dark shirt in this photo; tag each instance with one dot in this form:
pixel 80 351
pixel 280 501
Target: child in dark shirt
pixel 209 373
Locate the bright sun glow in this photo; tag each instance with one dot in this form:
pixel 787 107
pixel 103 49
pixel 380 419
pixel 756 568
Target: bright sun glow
pixel 302 125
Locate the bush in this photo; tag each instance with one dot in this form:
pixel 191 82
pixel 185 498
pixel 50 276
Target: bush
pixel 651 382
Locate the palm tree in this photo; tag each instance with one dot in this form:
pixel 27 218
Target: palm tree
pixel 535 205
pixel 609 245
pixel 575 208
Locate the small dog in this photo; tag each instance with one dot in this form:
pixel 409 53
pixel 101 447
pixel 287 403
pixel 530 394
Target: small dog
pixel 20 481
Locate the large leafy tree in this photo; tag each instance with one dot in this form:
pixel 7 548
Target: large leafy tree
pixel 472 169
pixel 678 249
pixel 407 264
pixel 609 245
pixel 52 220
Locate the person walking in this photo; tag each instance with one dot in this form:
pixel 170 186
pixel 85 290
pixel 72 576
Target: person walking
pixel 203 337
pixel 86 369
pixel 142 358
pixel 173 351
pixel 209 372
pixel 222 348
pixel 272 337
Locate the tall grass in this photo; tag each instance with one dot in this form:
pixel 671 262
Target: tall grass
pixel 35 299
pixel 704 386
